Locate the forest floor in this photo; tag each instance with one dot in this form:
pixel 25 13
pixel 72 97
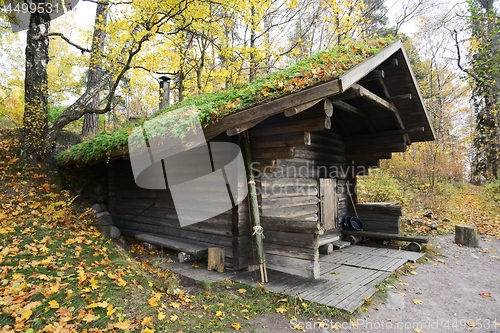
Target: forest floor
pixel 58 274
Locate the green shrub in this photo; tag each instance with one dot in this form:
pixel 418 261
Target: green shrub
pixel 380 186
pixel 492 190
pixel 54 111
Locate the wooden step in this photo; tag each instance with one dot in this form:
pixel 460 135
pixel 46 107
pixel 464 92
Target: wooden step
pixel 337 245
pixel 191 247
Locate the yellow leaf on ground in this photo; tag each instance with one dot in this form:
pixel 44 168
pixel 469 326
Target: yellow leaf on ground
pixel 110 310
pixel 281 310
pixel 124 325
pixel 161 315
pixel 121 282
pixel 98 305
pixel 147 321
pixel 89 316
pixel 242 291
pixel 173 317
pixel 219 313
pixel 153 301
pixel 53 304
pixel 417 301
pixel 440 260
pixel 26 314
pixel 148 330
pixel 236 325
pixel 93 283
pixel 417 330
pixel 175 305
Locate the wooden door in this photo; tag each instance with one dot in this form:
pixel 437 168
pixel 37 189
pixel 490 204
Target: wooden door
pixel 328 203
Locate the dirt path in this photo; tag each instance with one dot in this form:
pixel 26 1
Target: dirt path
pixel 458 291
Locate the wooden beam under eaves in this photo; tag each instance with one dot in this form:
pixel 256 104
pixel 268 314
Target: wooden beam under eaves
pixel 389 63
pixel 273 107
pixel 380 102
pixel 386 133
pixel 375 75
pixel 243 127
pixel 348 108
pixel 375 99
pixel 399 97
pixel 354 110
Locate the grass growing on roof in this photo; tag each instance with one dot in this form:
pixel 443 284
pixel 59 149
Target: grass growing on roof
pixel 321 67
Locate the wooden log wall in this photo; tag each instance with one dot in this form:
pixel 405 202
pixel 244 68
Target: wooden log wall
pixel 140 210
pixel 380 217
pixel 290 154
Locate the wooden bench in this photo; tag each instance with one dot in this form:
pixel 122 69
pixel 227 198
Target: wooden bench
pixel 387 236
pixel 195 248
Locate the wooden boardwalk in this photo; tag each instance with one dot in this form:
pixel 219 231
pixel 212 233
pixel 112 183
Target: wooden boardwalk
pixel 348 276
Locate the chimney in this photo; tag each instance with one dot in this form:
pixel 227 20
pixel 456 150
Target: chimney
pixel 164 92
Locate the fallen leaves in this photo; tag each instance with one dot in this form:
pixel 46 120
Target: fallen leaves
pixel 153 301
pixel 236 326
pixel 417 301
pixel 485 295
pixel 53 304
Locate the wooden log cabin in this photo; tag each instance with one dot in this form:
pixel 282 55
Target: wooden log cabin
pixel 307 147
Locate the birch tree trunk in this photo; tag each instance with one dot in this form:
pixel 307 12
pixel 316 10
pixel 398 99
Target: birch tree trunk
pixel 35 120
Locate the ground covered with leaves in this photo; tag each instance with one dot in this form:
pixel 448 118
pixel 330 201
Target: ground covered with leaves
pixel 58 274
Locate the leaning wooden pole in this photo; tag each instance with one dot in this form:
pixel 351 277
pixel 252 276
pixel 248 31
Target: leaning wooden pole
pixel 254 207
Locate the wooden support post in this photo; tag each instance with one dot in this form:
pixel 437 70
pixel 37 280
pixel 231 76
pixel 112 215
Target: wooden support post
pixel 216 259
pixel 466 235
pixel 254 207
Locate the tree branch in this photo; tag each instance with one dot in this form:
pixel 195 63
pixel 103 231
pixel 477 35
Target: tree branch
pixel 66 39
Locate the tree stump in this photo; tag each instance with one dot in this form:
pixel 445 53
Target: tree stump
pixel 216 259
pixel 414 247
pixel 353 239
pixel 466 235
pixel 326 249
pixel 186 257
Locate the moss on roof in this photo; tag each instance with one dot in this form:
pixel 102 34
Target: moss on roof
pixel 321 67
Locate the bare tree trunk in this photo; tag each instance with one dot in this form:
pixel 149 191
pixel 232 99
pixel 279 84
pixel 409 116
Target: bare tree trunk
pixel 90 126
pixel 35 120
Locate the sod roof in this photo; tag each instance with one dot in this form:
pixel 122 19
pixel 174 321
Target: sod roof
pixel 212 107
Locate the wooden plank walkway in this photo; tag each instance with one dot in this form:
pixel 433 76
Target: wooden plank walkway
pixel 348 276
